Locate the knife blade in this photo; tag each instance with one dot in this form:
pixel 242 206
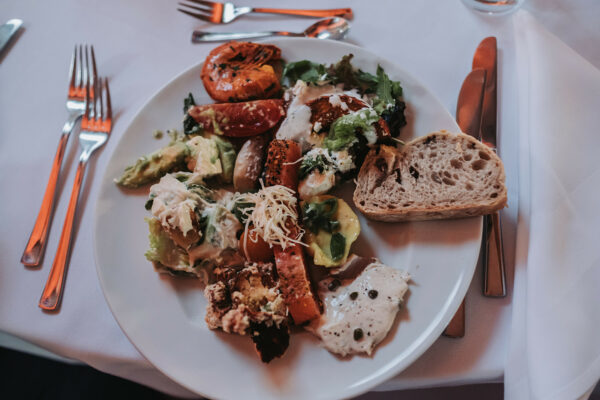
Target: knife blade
pixel 494 275
pixel 7 32
pixel 470 102
pixel 468 116
pixel 486 57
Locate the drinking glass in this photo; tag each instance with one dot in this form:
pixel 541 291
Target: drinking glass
pixel 494 7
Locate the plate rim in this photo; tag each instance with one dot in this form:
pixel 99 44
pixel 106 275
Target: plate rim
pixel 418 347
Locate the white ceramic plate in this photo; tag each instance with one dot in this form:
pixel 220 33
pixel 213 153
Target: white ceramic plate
pixel 164 317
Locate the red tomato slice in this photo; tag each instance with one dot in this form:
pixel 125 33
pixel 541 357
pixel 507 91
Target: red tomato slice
pixel 258 251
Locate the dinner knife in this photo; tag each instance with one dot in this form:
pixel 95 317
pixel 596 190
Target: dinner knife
pixel 494 275
pixel 7 32
pixel 468 117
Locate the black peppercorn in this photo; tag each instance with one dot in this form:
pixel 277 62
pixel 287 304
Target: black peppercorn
pixel 353 295
pixel 358 334
pixel 373 294
pixel 333 285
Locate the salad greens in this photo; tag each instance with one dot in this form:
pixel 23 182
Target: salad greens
pixel 342 133
pixel 388 93
pixel 309 164
pixel 304 70
pixel 190 126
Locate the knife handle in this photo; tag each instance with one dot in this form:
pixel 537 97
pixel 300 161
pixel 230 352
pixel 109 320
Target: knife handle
pixel 456 327
pixel 494 274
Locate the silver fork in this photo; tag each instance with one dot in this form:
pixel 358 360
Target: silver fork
pixel 96 125
pixel 80 72
pixel 224 13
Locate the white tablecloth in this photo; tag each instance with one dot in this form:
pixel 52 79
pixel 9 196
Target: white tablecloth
pixel 140 46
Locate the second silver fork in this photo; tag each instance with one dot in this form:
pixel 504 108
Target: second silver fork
pixel 83 67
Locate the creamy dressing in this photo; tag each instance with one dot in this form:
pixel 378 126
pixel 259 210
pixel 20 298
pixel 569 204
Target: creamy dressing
pixel 296 125
pixel 359 314
pixel 173 205
pixel 224 235
pixel 343 160
pixel 316 183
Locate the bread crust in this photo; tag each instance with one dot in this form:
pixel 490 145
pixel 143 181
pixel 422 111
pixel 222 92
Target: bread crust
pixel 383 179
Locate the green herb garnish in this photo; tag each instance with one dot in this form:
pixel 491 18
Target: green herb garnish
pixel 319 215
pixel 239 208
pixel 190 126
pixel 337 246
pixel 149 202
pixel 310 163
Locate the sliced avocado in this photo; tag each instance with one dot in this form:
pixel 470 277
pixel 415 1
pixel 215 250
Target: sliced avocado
pixel 323 244
pixel 153 166
pixel 204 157
pixel 162 248
pixel 227 155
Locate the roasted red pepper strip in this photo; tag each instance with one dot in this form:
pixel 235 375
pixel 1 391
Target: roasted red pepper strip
pixel 295 285
pixel 282 169
pixel 282 164
pixel 239 119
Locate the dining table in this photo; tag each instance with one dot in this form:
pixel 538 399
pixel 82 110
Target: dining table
pixel 140 46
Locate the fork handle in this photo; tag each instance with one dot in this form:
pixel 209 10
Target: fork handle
pixel 338 12
pixel 201 36
pixel 52 293
pixel 34 250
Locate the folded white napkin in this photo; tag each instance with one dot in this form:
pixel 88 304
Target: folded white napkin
pixel 555 341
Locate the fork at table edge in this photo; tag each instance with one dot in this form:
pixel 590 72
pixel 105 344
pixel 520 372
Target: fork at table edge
pixel 79 73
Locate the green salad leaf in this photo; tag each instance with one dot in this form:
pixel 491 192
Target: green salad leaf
pixel 190 126
pixel 239 208
pixel 343 132
pixel 343 72
pixel 305 70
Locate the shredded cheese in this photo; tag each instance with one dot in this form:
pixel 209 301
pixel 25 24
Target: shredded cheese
pixel 273 217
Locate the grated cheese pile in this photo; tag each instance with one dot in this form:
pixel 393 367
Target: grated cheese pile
pixel 275 211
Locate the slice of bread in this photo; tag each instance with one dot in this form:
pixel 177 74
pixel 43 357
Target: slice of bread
pixel 437 176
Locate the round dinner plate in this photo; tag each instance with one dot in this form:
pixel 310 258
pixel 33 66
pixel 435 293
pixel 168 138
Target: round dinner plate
pixel 164 316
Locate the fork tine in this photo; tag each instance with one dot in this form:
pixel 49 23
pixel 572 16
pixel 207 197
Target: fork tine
pixel 79 80
pixel 99 88
pixel 108 105
pixel 202 9
pixel 90 83
pixel 97 97
pixel 86 67
pixel 86 115
pixel 195 15
pixel 94 70
pixel 73 68
pixel 210 4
